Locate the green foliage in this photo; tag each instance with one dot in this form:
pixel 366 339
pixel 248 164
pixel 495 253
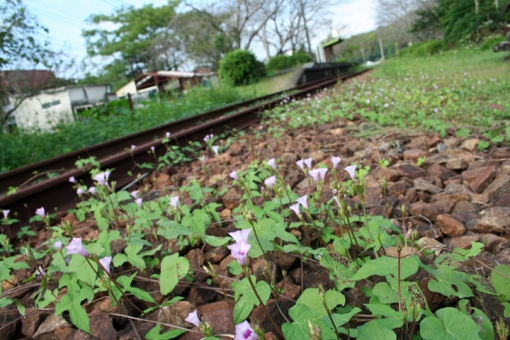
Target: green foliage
pixel 279 62
pixel 450 324
pixel 425 49
pixel 240 68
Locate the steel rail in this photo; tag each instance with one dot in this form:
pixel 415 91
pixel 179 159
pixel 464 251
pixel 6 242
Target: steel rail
pixel 25 176
pixel 59 193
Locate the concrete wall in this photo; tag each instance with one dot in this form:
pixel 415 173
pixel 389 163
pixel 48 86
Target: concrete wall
pixel 128 88
pixel 45 110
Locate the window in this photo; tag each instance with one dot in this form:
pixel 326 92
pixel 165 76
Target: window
pixel 50 104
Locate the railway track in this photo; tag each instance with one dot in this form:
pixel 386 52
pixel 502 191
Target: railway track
pixel 58 193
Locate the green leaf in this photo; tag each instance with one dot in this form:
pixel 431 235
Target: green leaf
pixel 483 144
pixel 341 319
pixel 480 318
pixel 83 269
pixel 173 268
pixel 153 334
pixel 500 280
pixel 385 265
pixel 79 316
pixel 216 241
pixel 450 324
pixel 373 330
pixel 295 331
pixel 449 282
pixel 393 319
pixel 246 298
pixel 311 299
pixel 171 229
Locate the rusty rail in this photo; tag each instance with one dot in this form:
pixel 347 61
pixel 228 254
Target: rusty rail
pixel 114 154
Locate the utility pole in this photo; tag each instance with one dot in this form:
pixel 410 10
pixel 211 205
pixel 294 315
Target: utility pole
pixel 381 48
pixel 363 54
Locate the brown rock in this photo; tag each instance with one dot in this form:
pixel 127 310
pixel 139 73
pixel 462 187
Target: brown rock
pixel 215 255
pixel 410 171
pixel 289 289
pixel 495 220
pixel 457 164
pixel 231 199
pixel 463 242
pixel 499 187
pixel 443 204
pixel 195 258
pixel 289 158
pixel 503 201
pixel 464 207
pixel 433 299
pixel 450 226
pixel 396 189
pixel 32 321
pixel 431 244
pixel 260 316
pixel 225 214
pixel 437 170
pixel 479 179
pixel 101 327
pixel 217 313
pixel 424 184
pixel 426 230
pixel 174 314
pixel 501 154
pixel 424 209
pixel 235 149
pixel 492 241
pixel 47 329
pixel 414 154
pixel 390 175
pixel 470 144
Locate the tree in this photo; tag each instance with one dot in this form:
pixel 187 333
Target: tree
pixel 20 48
pixel 142 41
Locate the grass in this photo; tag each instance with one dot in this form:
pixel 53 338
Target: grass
pixel 265 86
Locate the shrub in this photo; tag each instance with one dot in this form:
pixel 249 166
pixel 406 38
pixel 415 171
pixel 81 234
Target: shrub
pixel 425 49
pixel 240 68
pixel 279 62
pixel 301 58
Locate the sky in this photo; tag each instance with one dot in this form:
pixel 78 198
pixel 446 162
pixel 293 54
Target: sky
pixel 66 19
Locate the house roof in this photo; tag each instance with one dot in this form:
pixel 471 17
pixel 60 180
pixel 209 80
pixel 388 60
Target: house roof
pixel 27 80
pixel 149 79
pixel 332 42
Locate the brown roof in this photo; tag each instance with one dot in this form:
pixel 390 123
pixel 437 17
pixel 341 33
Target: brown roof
pixel 27 80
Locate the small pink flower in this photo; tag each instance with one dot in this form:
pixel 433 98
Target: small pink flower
pixel 216 149
pixel 233 175
pixel 193 318
pixel 239 250
pixel 335 160
pixel 168 134
pixel 57 245
pixel 174 201
pixel 203 159
pixel 295 208
pixel 105 262
pixel 245 332
pixel 133 147
pixel 322 173
pixel 80 191
pixel 315 174
pixel 6 213
pixel 134 194
pixel 301 163
pixel 352 171
pixel 92 190
pixel 102 177
pixel 72 180
pixel 41 271
pixel 272 163
pixel 269 182
pixel 153 149
pixel 139 202
pixel 303 200
pixel 41 212
pixel 75 247
pixel 308 162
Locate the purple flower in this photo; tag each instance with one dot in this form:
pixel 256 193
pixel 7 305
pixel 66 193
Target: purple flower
pixel 41 271
pixel 102 177
pixel 41 212
pixel 134 194
pixel 272 163
pixel 80 191
pixel 203 159
pixel 167 134
pixel 335 160
pixel 75 247
pixel 244 332
pixel 216 148
pixel 308 162
pixel 133 147
pixel 72 180
pixel 174 201
pixel 322 173
pixel 295 208
pixel 57 245
pixel 352 171
pixel 139 202
pixel 239 250
pixel 193 318
pixel 233 175
pixel 153 149
pixel 105 262
pixel 6 212
pixel 301 163
pixel 92 190
pixel 303 200
pixel 269 182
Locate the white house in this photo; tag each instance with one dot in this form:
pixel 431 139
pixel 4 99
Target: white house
pixel 50 107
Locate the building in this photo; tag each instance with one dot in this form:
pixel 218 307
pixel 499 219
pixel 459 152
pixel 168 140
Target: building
pixel 58 105
pixel 325 52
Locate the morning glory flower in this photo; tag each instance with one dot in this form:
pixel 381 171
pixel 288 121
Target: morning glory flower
pixel 193 318
pixel 139 202
pixel 41 212
pixel 75 247
pixel 203 159
pixel 167 134
pixel 6 212
pixel 174 201
pixel 72 180
pixel 80 191
pixel 269 182
pixel 351 170
pixel 272 163
pixel 239 250
pixel 92 190
pixel 233 175
pixel 134 194
pixel 41 271
pixel 153 148
pixel 102 177
pixel 315 174
pixel 303 201
pixel 105 262
pixel 133 147
pixel 245 332
pixel 216 148
pixel 295 208
pixel 335 160
pixel 308 162
pixel 57 245
pixel 301 163
pixel 322 173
